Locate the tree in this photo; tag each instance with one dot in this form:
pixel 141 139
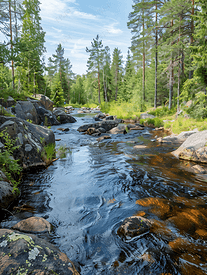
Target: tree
pixel 95 61
pixel 116 70
pixel 106 72
pixel 31 46
pixel 57 92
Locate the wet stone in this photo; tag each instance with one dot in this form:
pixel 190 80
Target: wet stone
pixel 33 225
pixel 134 226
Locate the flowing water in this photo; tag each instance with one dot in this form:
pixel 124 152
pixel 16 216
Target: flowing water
pixel 88 193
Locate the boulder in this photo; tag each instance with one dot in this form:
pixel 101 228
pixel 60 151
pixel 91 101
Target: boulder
pixel 194 148
pixel 46 117
pixel 31 139
pixel 46 102
pixel 33 225
pixel 176 139
pixel 109 118
pixel 62 117
pixel 106 124
pixel 100 115
pixel 28 254
pixel 135 127
pixel 118 130
pixel 6 194
pixel 134 226
pixel 146 115
pixel 9 102
pixel 27 111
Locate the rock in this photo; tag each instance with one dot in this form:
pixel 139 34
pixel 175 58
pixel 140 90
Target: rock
pixel 197 169
pixel 1 147
pixel 100 115
pixel 118 130
pixel 31 139
pixel 9 102
pixel 109 118
pixel 91 131
pixel 46 117
pixel 28 254
pixel 33 225
pixel 194 148
pixel 97 119
pixel 146 115
pixel 107 125
pixel 6 194
pixel 140 147
pixel 134 127
pixel 62 117
pixel 176 139
pixel 102 130
pixel 103 137
pixel 26 110
pixel 134 226
pixel 47 103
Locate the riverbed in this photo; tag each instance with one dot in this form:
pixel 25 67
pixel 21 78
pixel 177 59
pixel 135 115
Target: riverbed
pixel 88 192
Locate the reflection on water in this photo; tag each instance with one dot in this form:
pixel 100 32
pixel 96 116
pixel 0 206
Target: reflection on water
pixel 88 194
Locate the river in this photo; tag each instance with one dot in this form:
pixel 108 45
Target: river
pixel 88 193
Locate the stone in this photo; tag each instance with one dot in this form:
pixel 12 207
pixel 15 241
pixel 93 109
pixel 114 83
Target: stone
pixel 22 109
pixel 194 148
pixel 46 102
pixel 31 139
pixel 134 226
pixel 62 117
pixel 28 254
pixel 118 130
pixel 46 117
pixel 109 118
pixel 107 125
pixel 33 225
pixel 103 137
pixel 102 130
pixel 140 147
pixel 146 115
pixel 134 127
pixel 91 131
pixel 176 139
pixel 197 169
pixel 6 194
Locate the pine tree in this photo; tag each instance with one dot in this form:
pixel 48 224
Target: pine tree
pixel 116 70
pixel 57 92
pixel 31 46
pixel 106 73
pixel 95 61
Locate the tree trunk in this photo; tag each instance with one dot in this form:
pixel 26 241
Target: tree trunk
pixel 156 58
pixel 99 95
pixel 116 84
pixel 11 39
pixel 171 77
pixel 143 61
pixel 192 31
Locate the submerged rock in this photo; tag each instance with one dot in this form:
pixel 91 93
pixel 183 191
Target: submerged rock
pixel 28 254
pixel 6 194
pixel 134 226
pixel 107 125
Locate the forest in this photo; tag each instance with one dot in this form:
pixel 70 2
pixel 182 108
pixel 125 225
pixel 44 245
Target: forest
pixel 166 62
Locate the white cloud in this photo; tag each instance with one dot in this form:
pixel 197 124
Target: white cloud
pixel 112 29
pixel 57 30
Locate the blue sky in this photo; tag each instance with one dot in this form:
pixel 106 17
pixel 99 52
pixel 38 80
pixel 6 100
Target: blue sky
pixel 74 24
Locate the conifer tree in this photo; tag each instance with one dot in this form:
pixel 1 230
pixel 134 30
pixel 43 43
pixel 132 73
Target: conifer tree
pixel 116 70
pixel 95 61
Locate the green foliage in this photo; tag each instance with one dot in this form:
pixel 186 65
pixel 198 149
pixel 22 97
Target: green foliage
pixel 198 109
pixel 162 111
pixel 49 152
pixel 8 164
pixel 57 95
pixel 157 122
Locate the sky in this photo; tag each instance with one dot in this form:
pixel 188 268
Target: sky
pixel 74 24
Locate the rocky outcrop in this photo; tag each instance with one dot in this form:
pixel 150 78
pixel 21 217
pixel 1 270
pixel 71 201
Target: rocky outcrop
pixel 62 117
pixel 9 102
pixel 27 254
pixel 134 226
pixel 6 194
pixel 30 138
pixel 107 125
pixel 176 139
pixel 194 148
